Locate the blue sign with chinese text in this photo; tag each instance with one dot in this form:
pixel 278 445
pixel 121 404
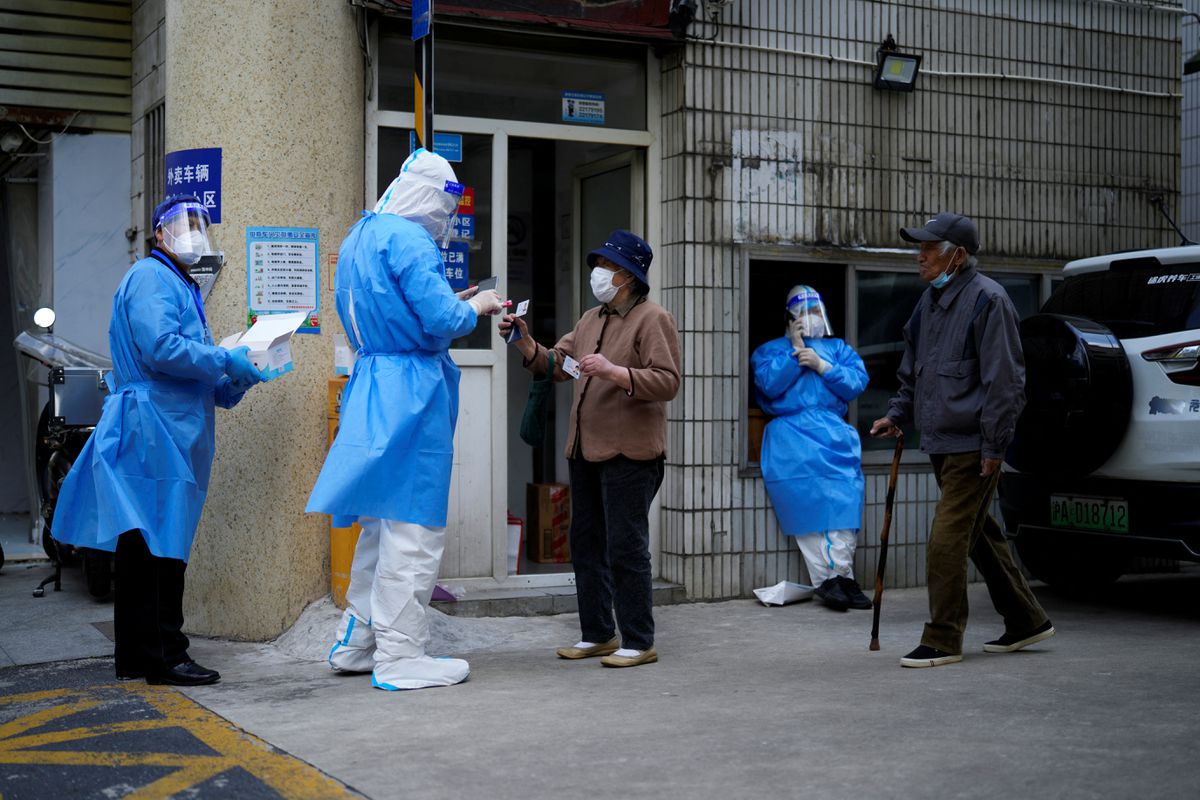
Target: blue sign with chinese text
pixel 454 261
pixel 196 172
pixel 464 227
pixel 420 19
pixel 446 145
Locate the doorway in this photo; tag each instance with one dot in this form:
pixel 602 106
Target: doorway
pixel 564 198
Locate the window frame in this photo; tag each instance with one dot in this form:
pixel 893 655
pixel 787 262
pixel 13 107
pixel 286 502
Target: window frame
pixel 854 261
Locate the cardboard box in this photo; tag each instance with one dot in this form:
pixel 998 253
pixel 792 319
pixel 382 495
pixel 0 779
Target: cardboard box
pixel 334 405
pixel 548 508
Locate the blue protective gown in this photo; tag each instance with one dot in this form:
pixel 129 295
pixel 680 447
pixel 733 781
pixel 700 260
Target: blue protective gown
pixel 392 455
pixel 147 464
pixel 811 457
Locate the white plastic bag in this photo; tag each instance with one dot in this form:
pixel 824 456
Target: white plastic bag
pixel 783 593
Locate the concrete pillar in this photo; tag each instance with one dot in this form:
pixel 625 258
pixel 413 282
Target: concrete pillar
pixel 278 85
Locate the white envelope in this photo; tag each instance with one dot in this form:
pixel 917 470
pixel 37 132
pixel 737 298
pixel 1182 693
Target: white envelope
pixel 270 342
pixel 783 593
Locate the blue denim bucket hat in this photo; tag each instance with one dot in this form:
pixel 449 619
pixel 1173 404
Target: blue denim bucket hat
pixel 628 250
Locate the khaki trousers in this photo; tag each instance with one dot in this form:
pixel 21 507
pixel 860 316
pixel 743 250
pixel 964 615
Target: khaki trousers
pixel 962 528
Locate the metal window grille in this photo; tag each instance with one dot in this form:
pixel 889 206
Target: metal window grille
pixel 154 179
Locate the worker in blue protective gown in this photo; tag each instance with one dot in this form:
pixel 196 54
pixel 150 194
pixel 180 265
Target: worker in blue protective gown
pixel 139 484
pixel 811 457
pixel 390 463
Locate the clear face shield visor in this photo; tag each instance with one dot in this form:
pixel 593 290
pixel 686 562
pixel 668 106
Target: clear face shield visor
pixel 455 194
pixel 185 231
pixel 808 311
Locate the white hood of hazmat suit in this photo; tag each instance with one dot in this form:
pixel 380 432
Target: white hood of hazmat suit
pixel 426 192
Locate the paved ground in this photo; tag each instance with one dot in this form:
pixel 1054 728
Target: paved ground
pixel 747 702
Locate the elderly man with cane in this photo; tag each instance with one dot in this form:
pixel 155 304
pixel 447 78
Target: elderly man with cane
pixel 962 381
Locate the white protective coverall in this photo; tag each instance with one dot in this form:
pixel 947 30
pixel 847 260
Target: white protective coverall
pixel 390 463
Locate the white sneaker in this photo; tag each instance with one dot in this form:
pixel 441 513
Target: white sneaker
pixel 422 672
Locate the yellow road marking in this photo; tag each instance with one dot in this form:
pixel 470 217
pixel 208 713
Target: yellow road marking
pixel 39 718
pixel 291 778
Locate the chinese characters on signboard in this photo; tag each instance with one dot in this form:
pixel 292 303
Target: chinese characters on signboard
pixel 456 253
pixel 282 273
pixel 196 172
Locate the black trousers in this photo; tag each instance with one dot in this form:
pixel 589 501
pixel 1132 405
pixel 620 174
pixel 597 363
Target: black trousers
pixel 610 547
pixel 147 609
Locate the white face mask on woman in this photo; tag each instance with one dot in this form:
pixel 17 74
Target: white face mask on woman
pixel 602 284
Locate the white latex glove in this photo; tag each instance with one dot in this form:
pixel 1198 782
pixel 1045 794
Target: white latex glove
pixel 486 303
pixel 809 358
pixel 795 334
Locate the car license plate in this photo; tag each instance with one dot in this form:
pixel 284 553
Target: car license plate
pixel 1089 513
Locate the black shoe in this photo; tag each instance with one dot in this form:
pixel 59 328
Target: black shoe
pixel 831 594
pixel 189 673
pixel 925 656
pixel 854 594
pixel 1011 643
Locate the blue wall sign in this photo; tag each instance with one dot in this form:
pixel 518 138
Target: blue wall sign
pixel 464 227
pixel 420 19
pixel 196 172
pixel 446 145
pixel 454 261
pixel 585 107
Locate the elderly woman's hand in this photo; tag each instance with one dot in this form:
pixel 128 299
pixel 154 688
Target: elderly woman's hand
pixel 525 344
pixel 597 366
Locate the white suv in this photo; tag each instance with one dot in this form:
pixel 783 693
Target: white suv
pixel 1105 465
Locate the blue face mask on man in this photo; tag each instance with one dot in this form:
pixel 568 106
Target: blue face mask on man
pixel 941 280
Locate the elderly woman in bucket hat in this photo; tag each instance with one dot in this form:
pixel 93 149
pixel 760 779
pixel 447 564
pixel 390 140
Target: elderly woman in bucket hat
pixel 628 354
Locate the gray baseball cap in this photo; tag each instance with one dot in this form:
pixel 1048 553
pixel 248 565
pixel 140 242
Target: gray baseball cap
pixel 946 227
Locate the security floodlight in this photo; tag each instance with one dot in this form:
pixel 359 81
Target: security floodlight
pixel 895 71
pixel 44 317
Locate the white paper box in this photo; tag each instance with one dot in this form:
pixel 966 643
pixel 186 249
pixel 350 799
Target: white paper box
pixel 783 593
pixel 270 342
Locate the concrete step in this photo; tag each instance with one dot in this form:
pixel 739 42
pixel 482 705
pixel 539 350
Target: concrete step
pixel 529 602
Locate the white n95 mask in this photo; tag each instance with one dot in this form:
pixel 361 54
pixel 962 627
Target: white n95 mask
pixel 189 247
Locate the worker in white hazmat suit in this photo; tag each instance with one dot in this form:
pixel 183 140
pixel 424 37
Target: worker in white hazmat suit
pixel 811 457
pixel 390 463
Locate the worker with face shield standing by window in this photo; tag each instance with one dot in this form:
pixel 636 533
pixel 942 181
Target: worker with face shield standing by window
pixel 811 457
pixel 390 464
pixel 139 484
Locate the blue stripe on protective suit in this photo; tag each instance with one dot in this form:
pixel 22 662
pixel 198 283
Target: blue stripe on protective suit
pixel 811 457
pixel 147 464
pixel 393 453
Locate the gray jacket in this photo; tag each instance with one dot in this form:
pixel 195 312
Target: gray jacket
pixel 963 369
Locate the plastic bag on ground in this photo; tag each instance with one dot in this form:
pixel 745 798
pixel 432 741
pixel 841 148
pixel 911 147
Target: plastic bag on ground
pixel 783 593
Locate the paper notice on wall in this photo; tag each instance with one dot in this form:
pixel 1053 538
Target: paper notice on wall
pixel 283 273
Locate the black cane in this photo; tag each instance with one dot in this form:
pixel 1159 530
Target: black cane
pixel 883 538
